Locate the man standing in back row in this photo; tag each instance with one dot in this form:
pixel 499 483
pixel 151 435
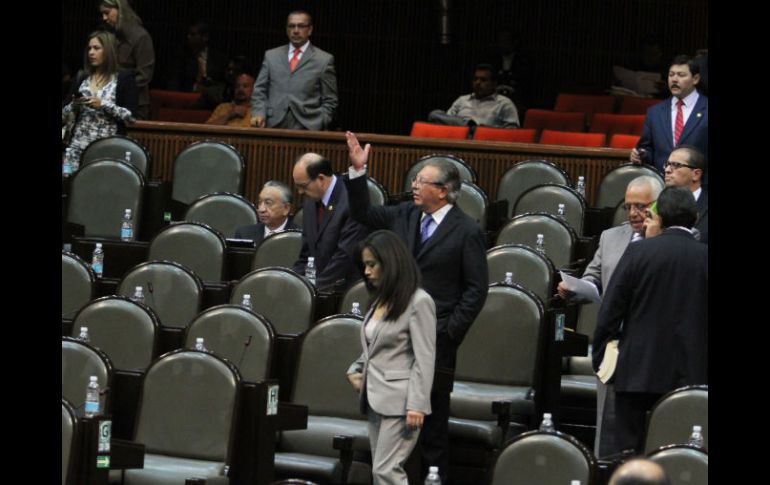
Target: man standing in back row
pixel 297 85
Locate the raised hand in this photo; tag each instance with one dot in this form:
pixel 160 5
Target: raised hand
pixel 358 155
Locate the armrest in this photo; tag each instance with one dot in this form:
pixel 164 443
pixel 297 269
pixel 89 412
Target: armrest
pixel 291 416
pixel 344 443
pixel 502 409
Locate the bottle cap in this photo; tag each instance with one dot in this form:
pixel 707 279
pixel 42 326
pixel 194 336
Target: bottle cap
pixel 696 428
pixel 199 340
pixel 247 297
pixel 83 329
pixel 546 415
pixel 138 288
pixel 433 469
pixel 93 379
pixel 99 245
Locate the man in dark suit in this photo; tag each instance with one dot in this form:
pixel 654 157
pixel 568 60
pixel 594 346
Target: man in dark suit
pixel 329 234
pixel 273 209
pixel 449 248
pixel 659 292
pixel 297 86
pixel 684 168
pixel 198 66
pixel 682 118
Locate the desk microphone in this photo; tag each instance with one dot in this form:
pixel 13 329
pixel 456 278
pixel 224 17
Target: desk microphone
pixel 243 353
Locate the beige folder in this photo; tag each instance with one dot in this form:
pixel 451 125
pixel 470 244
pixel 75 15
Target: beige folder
pixel 610 360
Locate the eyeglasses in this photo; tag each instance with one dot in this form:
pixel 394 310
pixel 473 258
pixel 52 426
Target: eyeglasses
pixel 420 182
pixel 675 165
pixel 636 205
pixel 297 26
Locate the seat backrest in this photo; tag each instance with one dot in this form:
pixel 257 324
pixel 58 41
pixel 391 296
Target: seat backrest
pixel 357 292
pixel 281 295
pixel 632 105
pixel 473 201
pixel 543 119
pixel 223 212
pixel 319 382
pixel 612 188
pixel 101 192
pixel 588 104
pixel 77 284
pixel 115 147
pixel 467 174
pixel 377 193
pixel 123 329
pixel 684 465
pixel 499 349
pixel 207 167
pixel 530 269
pixel 188 406
pixel 674 415
pixel 241 336
pixel 572 138
pixel 524 175
pixel 430 130
pixel 547 197
pixel 559 237
pixel 196 246
pixel 516 135
pixel 621 214
pixel 69 441
pixel 611 124
pixel 623 141
pixel 80 361
pixel 173 292
pixel 537 458
pixel 278 249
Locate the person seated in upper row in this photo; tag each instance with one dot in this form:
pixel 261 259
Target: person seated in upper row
pixel 238 111
pixel 482 107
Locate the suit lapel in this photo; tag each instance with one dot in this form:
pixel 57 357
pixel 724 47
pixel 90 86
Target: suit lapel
pixel 442 231
pixel 697 115
pixel 330 209
pixel 411 230
pixel 666 115
pixel 304 59
pixel 311 215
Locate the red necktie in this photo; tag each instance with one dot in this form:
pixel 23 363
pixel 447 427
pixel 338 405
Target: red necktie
pixel 679 124
pixel 295 59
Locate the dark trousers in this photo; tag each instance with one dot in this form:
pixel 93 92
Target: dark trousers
pixel 630 418
pixel 434 438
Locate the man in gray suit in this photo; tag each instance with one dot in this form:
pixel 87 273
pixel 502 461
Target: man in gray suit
pixel 297 86
pixel 641 192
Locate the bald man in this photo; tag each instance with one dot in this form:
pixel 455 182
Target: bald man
pixel 639 472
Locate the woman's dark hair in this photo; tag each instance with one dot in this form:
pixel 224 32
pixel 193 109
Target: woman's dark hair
pixel 399 275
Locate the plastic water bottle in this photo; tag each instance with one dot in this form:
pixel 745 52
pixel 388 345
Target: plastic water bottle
pixel 199 344
pixel 540 244
pixel 246 301
pixel 92 397
pixel 433 478
pixel 696 438
pixel 356 309
pixel 559 332
pixel 83 336
pixel 97 260
pixel 138 295
pixel 560 211
pixel 508 278
pixel 547 423
pixel 574 482
pixel 581 186
pixel 310 270
pixel 128 157
pixel 127 227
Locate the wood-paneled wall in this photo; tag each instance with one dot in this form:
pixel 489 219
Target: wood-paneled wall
pixel 392 68
pixel 270 154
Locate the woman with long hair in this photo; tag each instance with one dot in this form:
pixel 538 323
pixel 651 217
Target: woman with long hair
pixel 103 98
pixel 395 371
pixel 135 49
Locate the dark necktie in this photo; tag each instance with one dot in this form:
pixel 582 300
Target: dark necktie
pixel 321 209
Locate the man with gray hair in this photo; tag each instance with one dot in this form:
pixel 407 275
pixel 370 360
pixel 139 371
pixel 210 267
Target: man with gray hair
pixel 639 471
pixel 450 251
pixel 656 306
pixel 641 192
pixel 273 208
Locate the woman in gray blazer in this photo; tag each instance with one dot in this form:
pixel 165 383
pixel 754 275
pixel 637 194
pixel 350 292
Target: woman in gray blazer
pixel 395 371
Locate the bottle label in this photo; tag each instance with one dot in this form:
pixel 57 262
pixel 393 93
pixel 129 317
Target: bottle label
pixel 126 233
pixel 98 268
pixel 92 407
pixel 67 169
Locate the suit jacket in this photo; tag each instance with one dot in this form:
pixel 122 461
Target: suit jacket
pixel 310 91
pixel 256 232
pixel 398 364
pixel 702 224
pixel 612 244
pixel 658 138
pixel 453 261
pixel 660 293
pixel 332 244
